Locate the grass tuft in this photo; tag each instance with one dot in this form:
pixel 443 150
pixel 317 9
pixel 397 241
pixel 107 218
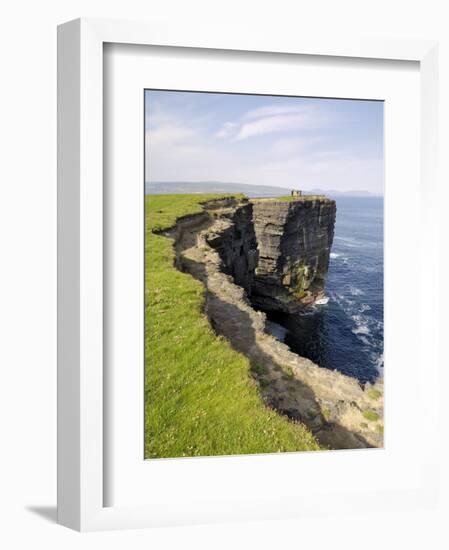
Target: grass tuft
pixel 372 416
pixel 260 370
pixel 288 372
pixel 326 412
pixel 374 394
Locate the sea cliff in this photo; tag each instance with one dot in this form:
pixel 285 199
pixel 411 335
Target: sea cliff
pixel 294 240
pixel 277 250
pixel 255 255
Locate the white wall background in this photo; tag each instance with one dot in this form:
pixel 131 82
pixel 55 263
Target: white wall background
pixel 28 266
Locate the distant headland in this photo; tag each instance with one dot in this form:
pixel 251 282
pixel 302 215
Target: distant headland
pixel 182 187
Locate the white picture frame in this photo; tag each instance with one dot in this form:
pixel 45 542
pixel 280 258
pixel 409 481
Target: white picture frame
pixel 81 407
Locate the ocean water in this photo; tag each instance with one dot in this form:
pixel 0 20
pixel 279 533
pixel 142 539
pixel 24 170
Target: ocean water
pixel 347 333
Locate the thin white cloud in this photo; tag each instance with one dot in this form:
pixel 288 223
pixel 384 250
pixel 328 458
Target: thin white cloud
pixel 272 110
pixel 272 119
pixel 272 124
pixel 226 130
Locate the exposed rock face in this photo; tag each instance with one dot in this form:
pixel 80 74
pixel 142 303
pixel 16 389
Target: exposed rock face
pixel 278 251
pixel 235 241
pixel 294 241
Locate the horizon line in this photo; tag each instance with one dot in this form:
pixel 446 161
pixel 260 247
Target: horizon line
pixel 374 194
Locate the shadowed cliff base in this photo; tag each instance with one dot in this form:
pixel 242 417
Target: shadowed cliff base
pixel 333 406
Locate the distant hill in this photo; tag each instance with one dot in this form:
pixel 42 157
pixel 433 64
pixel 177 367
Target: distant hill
pixel 334 193
pixel 182 187
pixel 160 188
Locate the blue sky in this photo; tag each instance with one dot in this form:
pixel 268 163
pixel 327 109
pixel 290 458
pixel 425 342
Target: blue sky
pixel 292 142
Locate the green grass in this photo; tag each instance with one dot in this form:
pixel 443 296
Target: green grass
pixel 287 199
pixel 374 394
pixel 372 416
pixel 200 397
pixel 161 211
pixel 290 198
pixel 326 412
pixel 288 372
pixel 260 370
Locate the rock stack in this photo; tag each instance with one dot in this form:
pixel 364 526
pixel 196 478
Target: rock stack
pixel 294 240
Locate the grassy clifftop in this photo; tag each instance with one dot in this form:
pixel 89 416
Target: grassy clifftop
pixel 294 198
pixel 200 398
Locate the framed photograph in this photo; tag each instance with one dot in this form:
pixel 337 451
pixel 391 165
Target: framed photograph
pixel 239 337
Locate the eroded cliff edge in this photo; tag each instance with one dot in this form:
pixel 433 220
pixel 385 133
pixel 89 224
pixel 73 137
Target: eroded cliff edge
pixel 221 248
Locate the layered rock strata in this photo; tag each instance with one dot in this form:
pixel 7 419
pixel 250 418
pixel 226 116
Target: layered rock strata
pixel 235 241
pixel 294 240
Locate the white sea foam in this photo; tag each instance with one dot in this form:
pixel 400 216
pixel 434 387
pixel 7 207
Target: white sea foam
pixel 378 361
pixel 356 291
pixel 345 303
pixel 361 324
pixel 339 257
pixel 365 326
pixel 349 242
pixel 364 339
